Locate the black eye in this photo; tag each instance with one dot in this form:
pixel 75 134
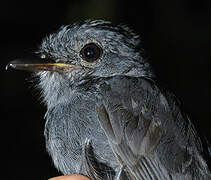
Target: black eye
pixel 91 52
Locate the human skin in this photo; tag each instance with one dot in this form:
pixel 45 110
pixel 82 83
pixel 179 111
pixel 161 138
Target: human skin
pixel 71 177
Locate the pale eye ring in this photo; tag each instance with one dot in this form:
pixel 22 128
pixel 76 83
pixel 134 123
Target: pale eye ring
pixel 91 52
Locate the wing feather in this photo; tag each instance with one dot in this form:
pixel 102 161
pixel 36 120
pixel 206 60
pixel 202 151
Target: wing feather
pixel 147 132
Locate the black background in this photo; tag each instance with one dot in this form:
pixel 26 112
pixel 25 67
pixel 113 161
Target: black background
pixel 176 35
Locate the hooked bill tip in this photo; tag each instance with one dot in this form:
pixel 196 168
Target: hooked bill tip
pixel 10 66
pixel 13 64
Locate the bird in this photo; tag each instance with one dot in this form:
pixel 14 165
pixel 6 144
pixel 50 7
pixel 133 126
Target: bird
pixel 108 117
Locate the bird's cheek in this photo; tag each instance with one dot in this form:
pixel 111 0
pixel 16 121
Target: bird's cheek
pixel 88 64
pixel 72 73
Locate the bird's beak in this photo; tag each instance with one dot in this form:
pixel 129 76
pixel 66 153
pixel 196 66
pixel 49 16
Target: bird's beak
pixel 39 64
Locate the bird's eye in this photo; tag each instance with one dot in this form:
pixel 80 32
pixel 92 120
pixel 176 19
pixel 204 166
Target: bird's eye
pixel 91 52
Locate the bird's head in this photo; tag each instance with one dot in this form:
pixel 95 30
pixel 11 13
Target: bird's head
pixel 96 47
pixel 85 50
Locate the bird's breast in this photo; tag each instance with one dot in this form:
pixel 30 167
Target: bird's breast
pixel 68 126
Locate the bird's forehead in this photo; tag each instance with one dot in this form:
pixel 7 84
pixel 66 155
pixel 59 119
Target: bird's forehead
pixel 70 39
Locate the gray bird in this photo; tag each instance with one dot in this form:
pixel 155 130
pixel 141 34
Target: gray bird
pixel 107 116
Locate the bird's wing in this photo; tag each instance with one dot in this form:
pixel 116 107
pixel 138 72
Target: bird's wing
pixel 145 128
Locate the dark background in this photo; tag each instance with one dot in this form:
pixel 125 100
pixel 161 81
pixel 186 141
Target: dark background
pixel 176 35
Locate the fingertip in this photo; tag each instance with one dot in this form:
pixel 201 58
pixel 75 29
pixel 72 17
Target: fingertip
pixel 71 177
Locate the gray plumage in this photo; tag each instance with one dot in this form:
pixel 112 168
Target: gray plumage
pixel 110 119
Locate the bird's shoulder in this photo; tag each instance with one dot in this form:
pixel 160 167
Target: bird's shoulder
pixel 135 93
